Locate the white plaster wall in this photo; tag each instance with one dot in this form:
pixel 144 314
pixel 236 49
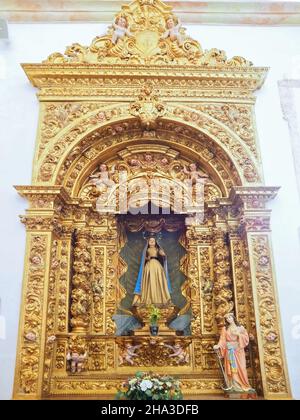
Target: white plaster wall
pixel 275 47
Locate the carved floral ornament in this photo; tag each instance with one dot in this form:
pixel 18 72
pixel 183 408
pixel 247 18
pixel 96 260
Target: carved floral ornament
pixel 117 121
pixel 144 36
pixel 146 99
pixel 146 33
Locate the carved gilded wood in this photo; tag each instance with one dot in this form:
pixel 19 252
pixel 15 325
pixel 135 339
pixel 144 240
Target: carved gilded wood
pixel 113 103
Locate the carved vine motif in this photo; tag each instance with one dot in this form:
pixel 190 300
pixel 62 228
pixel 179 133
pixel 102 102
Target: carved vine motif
pixel 51 312
pixel 63 281
pixel 98 288
pixel 192 286
pixel 50 161
pixel 206 84
pixel 269 321
pixel 146 33
pixel 154 352
pixel 206 264
pixel 237 150
pixel 256 363
pixel 57 116
pixel 240 266
pixel 30 351
pixel 60 355
pixel 223 296
pixel 81 281
pixel 189 386
pixel 236 117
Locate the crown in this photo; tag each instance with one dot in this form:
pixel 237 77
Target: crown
pixel 148 235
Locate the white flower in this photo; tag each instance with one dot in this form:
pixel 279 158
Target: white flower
pixel 146 384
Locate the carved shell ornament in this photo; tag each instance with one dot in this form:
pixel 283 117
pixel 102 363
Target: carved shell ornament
pixel 146 32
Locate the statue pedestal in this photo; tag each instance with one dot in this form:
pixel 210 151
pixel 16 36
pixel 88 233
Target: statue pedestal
pixel 241 395
pixel 167 314
pixel 162 330
pixel 154 352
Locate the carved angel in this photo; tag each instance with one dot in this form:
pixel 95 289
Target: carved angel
pixel 101 179
pixel 121 29
pixel 178 352
pixel 76 361
pixel 128 353
pixel 173 31
pixel 194 173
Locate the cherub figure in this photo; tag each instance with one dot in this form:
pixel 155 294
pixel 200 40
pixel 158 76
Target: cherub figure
pixel 120 27
pixel 76 361
pixel 128 353
pixel 178 352
pixel 194 173
pixel 173 31
pixel 101 178
pixel 134 162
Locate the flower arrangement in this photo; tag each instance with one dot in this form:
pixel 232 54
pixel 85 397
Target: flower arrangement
pixel 150 386
pixel 154 315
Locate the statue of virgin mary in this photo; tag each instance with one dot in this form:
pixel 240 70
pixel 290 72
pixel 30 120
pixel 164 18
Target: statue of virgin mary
pixel 153 283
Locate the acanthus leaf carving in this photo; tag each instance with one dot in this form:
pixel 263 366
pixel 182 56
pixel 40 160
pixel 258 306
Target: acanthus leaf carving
pixel 146 34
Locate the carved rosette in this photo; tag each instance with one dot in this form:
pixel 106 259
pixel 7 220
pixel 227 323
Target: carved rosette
pixel 81 295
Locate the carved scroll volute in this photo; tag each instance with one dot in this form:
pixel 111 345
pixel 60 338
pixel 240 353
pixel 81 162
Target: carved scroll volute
pixel 223 295
pixel 81 296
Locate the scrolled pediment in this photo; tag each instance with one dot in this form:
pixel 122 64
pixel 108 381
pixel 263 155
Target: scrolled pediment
pixel 146 32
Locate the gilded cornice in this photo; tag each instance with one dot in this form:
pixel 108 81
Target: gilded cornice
pixel 77 75
pixel 152 45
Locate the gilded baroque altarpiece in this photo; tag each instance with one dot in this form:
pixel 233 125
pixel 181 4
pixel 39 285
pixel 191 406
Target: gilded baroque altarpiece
pixel 146 92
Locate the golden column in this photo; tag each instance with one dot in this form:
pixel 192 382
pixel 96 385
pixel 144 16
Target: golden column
pixel 41 222
pixel 255 227
pixel 81 294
